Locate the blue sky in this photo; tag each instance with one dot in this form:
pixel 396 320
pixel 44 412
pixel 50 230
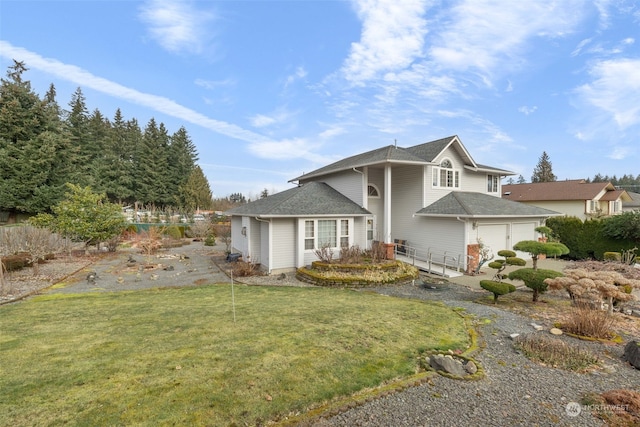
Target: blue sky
pixel 269 90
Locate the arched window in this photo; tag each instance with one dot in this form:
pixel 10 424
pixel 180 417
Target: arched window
pixel 445 175
pixel 372 191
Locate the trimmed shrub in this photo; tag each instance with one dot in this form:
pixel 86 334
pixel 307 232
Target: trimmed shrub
pixel 497 288
pixel 534 279
pixel 210 240
pixel 612 256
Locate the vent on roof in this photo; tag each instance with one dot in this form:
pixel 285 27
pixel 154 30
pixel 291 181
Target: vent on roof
pixel 507 193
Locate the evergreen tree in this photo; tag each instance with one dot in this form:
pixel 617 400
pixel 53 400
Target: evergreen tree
pixel 196 191
pixel 115 172
pixel 182 158
pixel 27 146
pixel 543 171
pixel 78 123
pixel 151 173
pixel 97 154
pixel 521 179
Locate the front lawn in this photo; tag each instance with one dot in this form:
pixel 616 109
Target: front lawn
pixel 176 356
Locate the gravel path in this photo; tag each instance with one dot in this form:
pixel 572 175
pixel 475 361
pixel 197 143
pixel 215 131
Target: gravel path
pixel 514 392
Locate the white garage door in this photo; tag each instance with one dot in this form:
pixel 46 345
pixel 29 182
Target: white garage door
pixel 523 231
pixel 494 236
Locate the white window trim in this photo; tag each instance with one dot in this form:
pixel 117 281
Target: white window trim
pixel 494 179
pixel 435 176
pixel 375 187
pixel 350 226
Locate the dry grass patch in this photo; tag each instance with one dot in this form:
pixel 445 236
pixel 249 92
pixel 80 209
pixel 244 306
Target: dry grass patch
pixel 555 353
pixel 176 356
pixel 617 408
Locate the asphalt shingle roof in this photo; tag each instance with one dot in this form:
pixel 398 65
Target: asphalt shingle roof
pixel 311 199
pixel 470 204
pixel 576 189
pixel 419 154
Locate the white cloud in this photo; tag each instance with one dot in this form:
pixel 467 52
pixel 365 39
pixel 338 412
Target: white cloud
pixel 176 25
pixel 300 73
pixel 615 90
pixel 213 84
pixel 527 110
pixel 620 153
pixel 392 38
pixel 488 36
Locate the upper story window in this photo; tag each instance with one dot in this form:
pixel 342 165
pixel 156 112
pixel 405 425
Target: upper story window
pixel 372 190
pixel 445 176
pixel 492 183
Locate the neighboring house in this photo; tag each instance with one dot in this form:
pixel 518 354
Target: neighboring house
pixel 572 197
pixel 433 196
pixel 633 204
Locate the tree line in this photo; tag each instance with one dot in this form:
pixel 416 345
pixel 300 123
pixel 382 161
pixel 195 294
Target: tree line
pixel 43 147
pixel 543 172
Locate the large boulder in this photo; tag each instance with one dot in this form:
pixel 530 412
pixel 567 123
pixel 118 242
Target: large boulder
pixel 447 364
pixel 632 354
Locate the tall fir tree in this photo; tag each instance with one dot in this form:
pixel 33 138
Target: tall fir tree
pixel 28 146
pixel 79 135
pixel 543 171
pixel 115 171
pixel 182 158
pixel 196 190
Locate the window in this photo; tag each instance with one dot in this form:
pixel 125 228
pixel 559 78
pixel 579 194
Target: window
pixel 372 190
pixel 369 228
pixel 344 233
pixel 446 176
pixel 593 206
pixel 616 206
pixel 309 235
pixel 492 183
pixel 326 233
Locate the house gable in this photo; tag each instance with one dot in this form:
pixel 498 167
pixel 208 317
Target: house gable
pixel 572 197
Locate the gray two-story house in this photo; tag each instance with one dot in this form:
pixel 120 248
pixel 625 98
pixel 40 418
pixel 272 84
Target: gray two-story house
pixel 433 198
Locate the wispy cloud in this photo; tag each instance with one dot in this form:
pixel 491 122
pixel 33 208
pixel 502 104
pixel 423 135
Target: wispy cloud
pixel 392 38
pixel 259 145
pixel 527 110
pixel 214 84
pixel 615 90
pixel 176 25
pixel 491 37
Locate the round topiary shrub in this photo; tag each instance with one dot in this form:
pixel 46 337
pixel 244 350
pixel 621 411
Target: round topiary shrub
pixel 497 288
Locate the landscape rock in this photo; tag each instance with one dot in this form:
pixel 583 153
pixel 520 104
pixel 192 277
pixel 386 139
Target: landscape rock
pixel 537 327
pixel 555 331
pixel 470 367
pixel 632 354
pixel 447 364
pixel 514 336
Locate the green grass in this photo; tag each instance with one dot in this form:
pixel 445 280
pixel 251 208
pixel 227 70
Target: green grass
pixel 176 357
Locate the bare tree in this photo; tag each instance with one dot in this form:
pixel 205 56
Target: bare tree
pixel 38 243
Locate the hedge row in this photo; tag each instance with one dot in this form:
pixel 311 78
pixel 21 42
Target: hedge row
pixel 585 239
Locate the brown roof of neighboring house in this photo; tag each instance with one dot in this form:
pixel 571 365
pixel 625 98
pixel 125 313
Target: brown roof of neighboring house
pixel 577 189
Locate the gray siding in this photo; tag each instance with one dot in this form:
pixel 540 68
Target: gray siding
pixel 284 245
pixel 349 183
pixel 253 231
pixel 406 199
pixel 440 235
